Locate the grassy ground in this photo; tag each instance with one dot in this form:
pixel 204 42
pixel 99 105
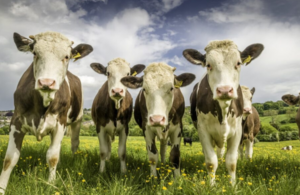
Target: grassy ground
pixel 272 171
pixel 268 119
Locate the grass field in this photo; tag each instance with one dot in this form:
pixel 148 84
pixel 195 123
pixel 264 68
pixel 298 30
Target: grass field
pixel 271 171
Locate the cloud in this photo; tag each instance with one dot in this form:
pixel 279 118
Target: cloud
pixel 171 4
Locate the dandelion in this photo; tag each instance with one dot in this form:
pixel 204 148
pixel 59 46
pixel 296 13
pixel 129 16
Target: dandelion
pixel 83 180
pixel 57 193
pixel 157 169
pixel 223 190
pixel 169 171
pixel 23 173
pixel 249 183
pixel 183 174
pixel 170 183
pixel 202 182
pixel 164 188
pixel 241 179
pixel 147 181
pixel 79 173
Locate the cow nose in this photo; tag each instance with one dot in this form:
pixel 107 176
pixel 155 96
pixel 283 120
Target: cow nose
pixel 157 120
pixel 117 92
pixel 46 83
pixel 225 92
pixel 247 111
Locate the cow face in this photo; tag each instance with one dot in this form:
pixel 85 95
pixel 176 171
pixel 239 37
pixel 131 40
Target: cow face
pixel 51 55
pixel 247 98
pixel 115 71
pixel 158 85
pixel 223 62
pixel 291 99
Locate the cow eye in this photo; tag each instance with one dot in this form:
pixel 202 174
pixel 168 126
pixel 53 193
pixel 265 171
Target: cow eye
pixel 172 88
pixel 208 66
pixel 67 57
pixel 239 63
pixel 107 73
pixel 127 74
pixel 34 53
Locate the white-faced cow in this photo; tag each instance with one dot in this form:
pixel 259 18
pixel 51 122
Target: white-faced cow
pixel 293 100
pixel 250 123
pixel 158 110
pixel 48 98
pixel 112 108
pixel 217 102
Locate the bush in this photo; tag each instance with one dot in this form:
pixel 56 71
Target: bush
pixel 283 136
pixel 286 128
pixel 136 131
pixel 267 129
pixel 2 132
pixel 292 120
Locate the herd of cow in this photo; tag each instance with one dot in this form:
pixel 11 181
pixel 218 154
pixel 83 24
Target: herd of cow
pixel 48 101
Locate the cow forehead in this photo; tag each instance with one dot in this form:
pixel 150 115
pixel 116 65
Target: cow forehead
pixel 118 65
pixel 52 42
pixel 246 92
pixel 158 75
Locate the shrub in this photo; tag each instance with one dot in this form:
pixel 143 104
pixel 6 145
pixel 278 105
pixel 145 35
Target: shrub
pixel 285 128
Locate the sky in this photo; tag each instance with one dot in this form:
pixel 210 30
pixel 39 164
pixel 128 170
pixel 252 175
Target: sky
pixel 146 31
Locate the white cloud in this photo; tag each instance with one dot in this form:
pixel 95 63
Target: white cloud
pixel 171 4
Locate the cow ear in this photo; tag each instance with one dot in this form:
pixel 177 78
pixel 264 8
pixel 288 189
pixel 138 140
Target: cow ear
pixel 194 56
pixel 184 80
pixel 251 52
pixel 99 68
pixel 252 90
pixel 132 82
pixel 22 43
pixel 80 51
pixel 136 69
pixel 290 99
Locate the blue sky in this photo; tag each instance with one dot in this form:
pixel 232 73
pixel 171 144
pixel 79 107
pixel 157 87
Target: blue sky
pixel 144 31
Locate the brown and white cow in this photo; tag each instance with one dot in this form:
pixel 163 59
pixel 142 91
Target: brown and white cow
pixel 250 123
pixel 158 110
pixel 112 108
pixel 293 100
pixel 217 102
pixel 48 98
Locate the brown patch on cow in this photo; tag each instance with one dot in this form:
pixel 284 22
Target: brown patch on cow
pixel 152 161
pixel 102 156
pixel 6 163
pixel 175 156
pixel 250 126
pixel 209 167
pixel 18 139
pixel 232 167
pixel 53 162
pixel 153 148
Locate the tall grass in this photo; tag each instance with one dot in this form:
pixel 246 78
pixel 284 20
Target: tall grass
pixel 271 171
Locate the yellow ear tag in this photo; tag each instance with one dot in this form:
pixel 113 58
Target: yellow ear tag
pixel 76 56
pixel 247 60
pixel 178 84
pixel 134 73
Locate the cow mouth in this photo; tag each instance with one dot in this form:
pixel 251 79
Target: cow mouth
pixel 117 97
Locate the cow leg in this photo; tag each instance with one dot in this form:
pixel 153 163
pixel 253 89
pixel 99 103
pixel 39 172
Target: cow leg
pixel 241 150
pixel 220 152
pixel 103 143
pixel 249 149
pixel 122 150
pixel 163 149
pixel 109 141
pixel 232 155
pixel 152 151
pixel 54 150
pixel 75 130
pixel 12 156
pixel 175 139
pixel 211 159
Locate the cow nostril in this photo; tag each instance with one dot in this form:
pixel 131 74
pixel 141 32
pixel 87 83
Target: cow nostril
pixel 231 90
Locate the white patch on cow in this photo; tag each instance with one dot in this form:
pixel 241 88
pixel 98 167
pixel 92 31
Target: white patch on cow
pixel 50 61
pixel 27 128
pixel 223 57
pixel 13 154
pixel 46 125
pixel 247 98
pixel 116 70
pixel 157 83
pixel 249 149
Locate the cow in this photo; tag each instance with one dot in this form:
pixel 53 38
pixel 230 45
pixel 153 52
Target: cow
pixel 158 110
pixel 188 140
pixel 293 100
pixel 217 102
pixel 48 98
pixel 112 108
pixel 250 123
pixel 289 147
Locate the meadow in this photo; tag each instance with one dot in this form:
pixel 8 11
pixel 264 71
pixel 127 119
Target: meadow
pixel 271 171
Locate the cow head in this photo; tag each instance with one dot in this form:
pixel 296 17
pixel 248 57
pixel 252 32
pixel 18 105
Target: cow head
pixel 115 71
pixel 51 55
pixel 291 99
pixel 158 85
pixel 247 98
pixel 223 61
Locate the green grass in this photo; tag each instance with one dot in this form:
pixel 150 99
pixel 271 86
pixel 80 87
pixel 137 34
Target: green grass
pixel 267 119
pixel 271 171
